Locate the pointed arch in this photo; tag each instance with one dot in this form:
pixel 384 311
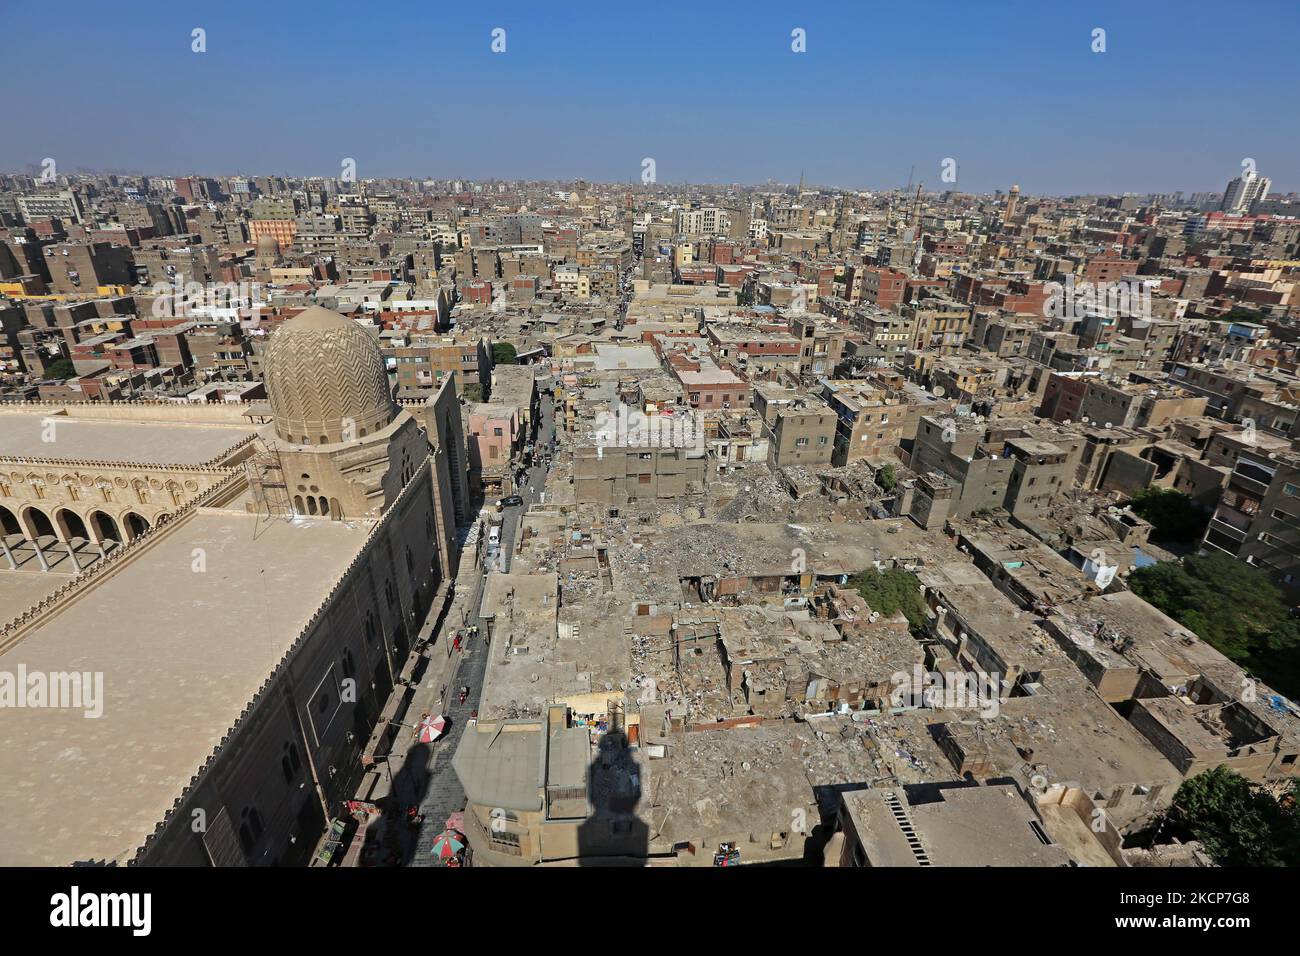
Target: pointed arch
pixel 9 522
pixel 71 525
pixel 38 523
pixel 105 528
pixel 134 524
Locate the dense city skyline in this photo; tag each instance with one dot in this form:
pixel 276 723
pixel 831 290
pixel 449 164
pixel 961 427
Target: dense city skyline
pixel 766 186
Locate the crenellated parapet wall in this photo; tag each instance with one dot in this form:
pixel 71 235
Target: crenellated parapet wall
pixel 212 467
pixel 153 410
pixel 194 413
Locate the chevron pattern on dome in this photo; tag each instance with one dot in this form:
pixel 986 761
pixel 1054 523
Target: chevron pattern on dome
pixel 325 379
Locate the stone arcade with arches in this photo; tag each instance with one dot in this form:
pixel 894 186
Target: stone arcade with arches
pixel 58 511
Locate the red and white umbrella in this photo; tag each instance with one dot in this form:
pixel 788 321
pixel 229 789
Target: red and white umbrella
pixel 448 845
pixel 431 728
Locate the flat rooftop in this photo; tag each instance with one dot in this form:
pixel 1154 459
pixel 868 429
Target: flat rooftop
pixel 21 436
pixel 181 653
pixel 618 357
pixel 966 826
pixel 710 374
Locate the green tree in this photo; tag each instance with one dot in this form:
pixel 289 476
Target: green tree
pixel 886 478
pixel 60 369
pixel 503 353
pixel 892 591
pixel 1234 607
pixel 1239 314
pixel 1239 823
pixel 1174 517
pixel 473 392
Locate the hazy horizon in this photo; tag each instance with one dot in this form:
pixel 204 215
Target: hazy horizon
pixel 34 169
pixel 1014 93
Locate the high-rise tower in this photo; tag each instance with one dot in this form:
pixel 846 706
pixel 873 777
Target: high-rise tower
pixel 1245 190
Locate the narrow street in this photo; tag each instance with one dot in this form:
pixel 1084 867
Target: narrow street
pixel 442 794
pixel 427 771
pixel 536 480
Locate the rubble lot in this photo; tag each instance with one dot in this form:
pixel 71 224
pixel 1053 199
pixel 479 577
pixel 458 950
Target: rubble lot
pixel 1064 734
pixel 759 494
pixel 559 487
pixel 750 769
pixel 695 691
pixel 753 779
pixel 610 637
pixel 721 549
pixel 776 658
pixel 873 749
pixel 753 495
pixel 615 578
pixel 730 784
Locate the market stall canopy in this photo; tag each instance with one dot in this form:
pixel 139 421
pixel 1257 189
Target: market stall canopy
pixel 448 844
pixel 431 728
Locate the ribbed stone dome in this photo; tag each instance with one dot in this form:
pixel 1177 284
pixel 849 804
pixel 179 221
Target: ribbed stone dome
pixel 325 380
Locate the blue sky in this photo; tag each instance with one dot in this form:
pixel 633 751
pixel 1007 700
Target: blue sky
pixel 711 91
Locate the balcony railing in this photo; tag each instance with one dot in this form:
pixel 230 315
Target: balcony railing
pixel 1248 485
pixel 1231 517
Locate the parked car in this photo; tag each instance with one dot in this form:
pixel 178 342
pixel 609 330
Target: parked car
pixel 510 501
